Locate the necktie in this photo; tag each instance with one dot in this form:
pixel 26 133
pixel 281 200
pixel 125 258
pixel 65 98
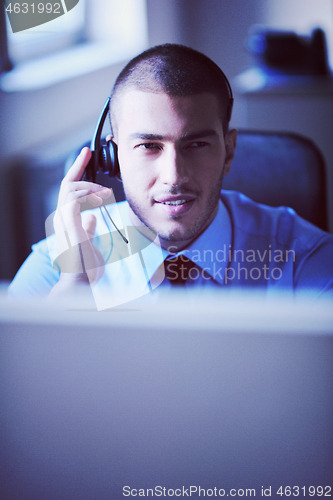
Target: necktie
pixel 178 269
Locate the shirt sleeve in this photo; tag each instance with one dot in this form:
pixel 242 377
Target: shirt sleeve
pixel 306 264
pixel 314 271
pixel 36 277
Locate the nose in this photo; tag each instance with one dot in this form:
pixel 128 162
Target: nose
pixel 173 168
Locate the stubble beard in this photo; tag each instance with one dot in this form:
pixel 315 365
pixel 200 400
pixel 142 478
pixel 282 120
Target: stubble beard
pixel 190 233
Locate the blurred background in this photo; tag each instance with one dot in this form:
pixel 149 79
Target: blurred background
pixel 55 78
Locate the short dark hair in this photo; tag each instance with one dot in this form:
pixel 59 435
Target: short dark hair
pixel 180 72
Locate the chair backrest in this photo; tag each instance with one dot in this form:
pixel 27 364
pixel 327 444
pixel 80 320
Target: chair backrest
pixel 274 168
pixel 280 168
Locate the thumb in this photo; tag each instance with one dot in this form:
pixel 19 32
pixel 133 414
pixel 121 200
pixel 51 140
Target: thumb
pixel 89 225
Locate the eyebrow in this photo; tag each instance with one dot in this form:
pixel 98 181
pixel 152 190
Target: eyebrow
pixel 199 135
pixel 146 137
pixel 186 137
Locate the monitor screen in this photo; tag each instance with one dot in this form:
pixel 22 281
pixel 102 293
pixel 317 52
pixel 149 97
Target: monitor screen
pixel 184 399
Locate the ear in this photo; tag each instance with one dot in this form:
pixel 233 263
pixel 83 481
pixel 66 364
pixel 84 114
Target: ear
pixel 230 141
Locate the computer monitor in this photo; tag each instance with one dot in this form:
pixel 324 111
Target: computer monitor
pixel 229 397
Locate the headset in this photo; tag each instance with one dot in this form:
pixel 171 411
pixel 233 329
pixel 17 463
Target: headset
pixel 231 97
pixel 104 155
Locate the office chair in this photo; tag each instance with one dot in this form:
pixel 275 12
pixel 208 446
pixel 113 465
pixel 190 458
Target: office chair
pixel 281 168
pixel 273 168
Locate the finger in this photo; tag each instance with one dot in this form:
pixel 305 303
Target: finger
pixel 94 200
pixel 90 187
pixel 89 225
pixel 77 194
pixel 81 197
pixel 76 171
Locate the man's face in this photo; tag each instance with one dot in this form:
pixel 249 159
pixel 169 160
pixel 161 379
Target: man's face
pixel 172 156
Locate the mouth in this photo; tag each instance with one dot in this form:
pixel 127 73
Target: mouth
pixel 175 202
pixel 175 199
pixel 176 205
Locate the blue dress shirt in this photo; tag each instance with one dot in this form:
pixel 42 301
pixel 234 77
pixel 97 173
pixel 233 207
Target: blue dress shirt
pixel 247 245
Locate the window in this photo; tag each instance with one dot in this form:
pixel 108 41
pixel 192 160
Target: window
pixel 119 23
pixel 44 39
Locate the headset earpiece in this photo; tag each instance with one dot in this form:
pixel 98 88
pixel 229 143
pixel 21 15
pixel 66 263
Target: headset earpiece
pixel 104 154
pixel 114 170
pixel 108 159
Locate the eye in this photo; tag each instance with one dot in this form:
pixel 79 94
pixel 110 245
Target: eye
pixel 197 144
pixel 149 146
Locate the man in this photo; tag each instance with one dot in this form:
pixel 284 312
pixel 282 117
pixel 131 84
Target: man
pixel 170 109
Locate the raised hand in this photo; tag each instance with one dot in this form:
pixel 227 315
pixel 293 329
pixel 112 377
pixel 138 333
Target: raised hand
pixel 80 261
